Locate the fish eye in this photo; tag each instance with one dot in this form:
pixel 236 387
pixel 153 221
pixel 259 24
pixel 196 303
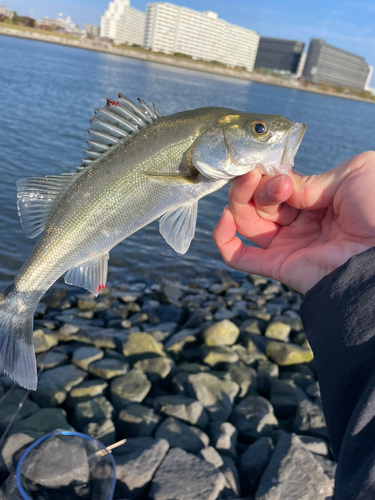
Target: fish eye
pixel 259 128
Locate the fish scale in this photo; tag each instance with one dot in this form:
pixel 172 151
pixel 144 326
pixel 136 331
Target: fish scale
pixel 139 167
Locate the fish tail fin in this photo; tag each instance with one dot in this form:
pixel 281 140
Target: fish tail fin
pixel 17 356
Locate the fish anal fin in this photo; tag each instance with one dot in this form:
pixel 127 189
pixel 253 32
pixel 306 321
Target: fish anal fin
pixel 91 274
pixel 36 198
pixel 178 226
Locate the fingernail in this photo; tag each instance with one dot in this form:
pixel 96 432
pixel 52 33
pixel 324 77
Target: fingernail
pixel 275 184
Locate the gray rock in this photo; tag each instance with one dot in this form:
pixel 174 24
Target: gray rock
pixel 224 437
pixel 179 435
pixel 315 445
pixel 97 409
pixel 155 368
pixel 177 342
pixel 230 472
pixel 285 397
pixel 245 376
pixel 13 446
pixel 278 330
pixel 41 423
pixel 108 368
pixel 103 431
pixel 222 333
pixel 169 292
pixel 183 476
pixel 313 390
pixel 136 468
pixel 310 420
pixel 140 346
pixel 329 466
pixel 285 354
pixel 9 406
pixel 101 338
pixel 211 456
pixel 267 371
pixel 43 341
pixel 9 489
pixel 130 388
pixel 161 331
pixel 253 463
pixel 293 473
pixel 248 357
pixel 254 417
pixel 137 420
pixel 186 409
pixel 168 312
pixel 224 314
pixel 54 385
pixel 86 390
pixel 216 395
pixel 219 355
pixel 83 356
pixel 86 303
pixel 51 359
pixel 253 325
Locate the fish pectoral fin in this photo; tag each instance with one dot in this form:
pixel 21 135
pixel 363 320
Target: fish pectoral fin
pixel 91 274
pixel 178 226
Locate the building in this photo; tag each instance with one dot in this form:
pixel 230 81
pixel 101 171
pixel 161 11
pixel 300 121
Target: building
pixel 91 30
pixel 369 78
pixel 60 23
pixel 301 65
pixel 5 12
pixel 280 55
pixel 201 35
pixel 325 63
pixel 122 23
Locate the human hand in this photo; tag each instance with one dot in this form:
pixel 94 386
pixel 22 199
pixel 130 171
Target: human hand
pixel 305 226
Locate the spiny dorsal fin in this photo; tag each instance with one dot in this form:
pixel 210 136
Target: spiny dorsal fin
pixel 117 122
pixel 36 197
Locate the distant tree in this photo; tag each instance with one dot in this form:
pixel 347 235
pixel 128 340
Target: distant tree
pixel 15 18
pixel 27 21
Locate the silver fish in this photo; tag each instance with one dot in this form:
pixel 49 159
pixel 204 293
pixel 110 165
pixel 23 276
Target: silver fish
pixel 139 166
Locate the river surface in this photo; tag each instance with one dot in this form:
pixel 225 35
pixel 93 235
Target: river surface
pixel 48 92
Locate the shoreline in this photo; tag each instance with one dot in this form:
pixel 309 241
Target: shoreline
pixel 105 47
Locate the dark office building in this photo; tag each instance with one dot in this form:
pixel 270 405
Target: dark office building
pixel 278 54
pixel 325 63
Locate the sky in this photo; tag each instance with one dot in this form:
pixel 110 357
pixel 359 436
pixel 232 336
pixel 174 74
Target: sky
pixel 347 24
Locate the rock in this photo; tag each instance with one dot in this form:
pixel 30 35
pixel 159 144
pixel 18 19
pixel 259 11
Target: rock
pixel 108 368
pixel 186 409
pixel 136 468
pixel 223 314
pixel 161 331
pixel 140 346
pixel 168 312
pixel 211 456
pixel 137 420
pixel 155 368
pixel 183 476
pixel 58 463
pixel 285 354
pixel 169 292
pixel 245 376
pixel 315 445
pixel 130 388
pixel 9 406
pixel 313 390
pixel 253 325
pixel 177 342
pixel 329 466
pixel 266 372
pixel 253 463
pixel 248 357
pixel 93 410
pixel 14 445
pixel 83 356
pixel 254 417
pixel 230 472
pixel 86 303
pixel 278 330
pixel 41 423
pixel 54 385
pixel 179 435
pixel 285 397
pixel 86 390
pixel 103 431
pixel 310 420
pixel 293 473
pixel 43 341
pixel 101 338
pixel 222 333
pixel 218 355
pixel 216 395
pixel 224 437
pixel 51 359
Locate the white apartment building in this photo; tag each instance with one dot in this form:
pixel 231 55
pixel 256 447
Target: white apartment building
pixel 6 12
pixel 369 76
pixel 202 35
pixel 91 29
pixel 122 23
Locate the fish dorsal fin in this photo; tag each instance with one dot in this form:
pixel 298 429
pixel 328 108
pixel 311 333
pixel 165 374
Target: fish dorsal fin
pixel 91 275
pixel 36 197
pixel 178 226
pixel 117 122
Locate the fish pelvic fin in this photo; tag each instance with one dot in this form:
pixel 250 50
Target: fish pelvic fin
pixel 178 226
pixel 91 275
pixel 17 357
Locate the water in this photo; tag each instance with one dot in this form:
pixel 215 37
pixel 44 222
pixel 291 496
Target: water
pixel 48 93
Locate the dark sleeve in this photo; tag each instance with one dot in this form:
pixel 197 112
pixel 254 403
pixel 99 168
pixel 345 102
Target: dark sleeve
pixel 338 314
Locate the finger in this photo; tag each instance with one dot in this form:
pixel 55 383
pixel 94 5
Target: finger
pixel 270 197
pixel 235 254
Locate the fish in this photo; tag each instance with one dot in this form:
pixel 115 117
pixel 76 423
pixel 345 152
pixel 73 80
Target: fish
pixel 139 166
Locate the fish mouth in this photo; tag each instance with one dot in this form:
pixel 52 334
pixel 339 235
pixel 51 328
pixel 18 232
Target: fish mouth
pixel 294 139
